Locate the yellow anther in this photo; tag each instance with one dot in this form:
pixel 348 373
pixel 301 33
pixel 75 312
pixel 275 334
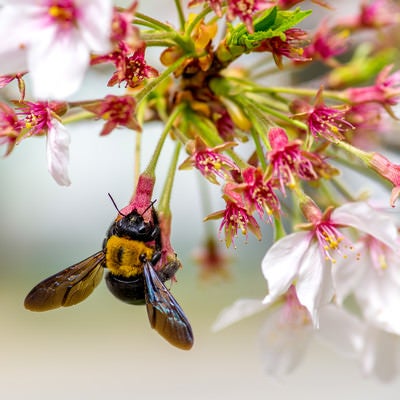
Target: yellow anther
pixel 382 261
pixel 217 165
pixel 55 11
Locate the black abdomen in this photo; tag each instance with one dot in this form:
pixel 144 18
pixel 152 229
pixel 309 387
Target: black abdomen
pixel 129 290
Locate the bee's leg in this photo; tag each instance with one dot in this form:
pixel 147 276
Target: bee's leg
pixel 168 271
pixel 156 257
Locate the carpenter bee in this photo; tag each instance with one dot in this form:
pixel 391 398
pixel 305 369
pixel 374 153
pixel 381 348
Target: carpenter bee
pixel 131 250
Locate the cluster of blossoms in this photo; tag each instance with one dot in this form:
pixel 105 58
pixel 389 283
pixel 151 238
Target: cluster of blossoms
pixel 276 152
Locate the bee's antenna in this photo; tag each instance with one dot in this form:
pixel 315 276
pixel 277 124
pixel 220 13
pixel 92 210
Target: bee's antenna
pixel 148 208
pixel 115 205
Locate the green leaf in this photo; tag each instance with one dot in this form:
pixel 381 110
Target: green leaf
pixel 271 23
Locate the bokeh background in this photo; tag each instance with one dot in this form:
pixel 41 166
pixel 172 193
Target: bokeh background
pixel 102 348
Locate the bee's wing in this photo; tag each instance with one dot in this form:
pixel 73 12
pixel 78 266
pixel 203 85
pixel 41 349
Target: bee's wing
pixel 68 287
pixel 165 314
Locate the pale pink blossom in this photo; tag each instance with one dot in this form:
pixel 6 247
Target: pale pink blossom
pixel 53 39
pixel 380 354
pixel 305 258
pixel 376 350
pixel 288 330
pixel 374 281
pixel 284 336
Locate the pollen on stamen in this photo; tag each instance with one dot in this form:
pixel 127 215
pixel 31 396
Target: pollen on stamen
pixel 382 262
pixel 63 14
pixel 331 240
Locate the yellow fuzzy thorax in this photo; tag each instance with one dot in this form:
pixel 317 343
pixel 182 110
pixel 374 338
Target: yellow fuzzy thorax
pixel 122 256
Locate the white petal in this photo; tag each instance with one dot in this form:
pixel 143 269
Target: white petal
pixel 58 153
pixel 57 65
pixel 238 310
pixel 96 31
pixel 16 61
pixel 314 286
pixel 17 3
pixel 363 217
pixel 378 296
pixel 342 330
pixel 280 265
pixel 13 50
pixel 347 275
pixel 283 345
pixel 381 355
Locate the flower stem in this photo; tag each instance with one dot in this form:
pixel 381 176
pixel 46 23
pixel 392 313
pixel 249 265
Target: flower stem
pixel 165 199
pixel 362 155
pixel 158 36
pixel 279 231
pixel 159 43
pixel 136 165
pixel 283 117
pixel 181 15
pixel 140 113
pixel 150 169
pixel 259 149
pixel 76 117
pixel 303 92
pixel 151 22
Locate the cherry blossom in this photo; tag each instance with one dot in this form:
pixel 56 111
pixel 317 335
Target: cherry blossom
pixel 243 9
pixel 117 111
pixel 288 330
pixel 322 120
pixel 42 118
pixel 385 91
pixel 209 161
pixel 131 68
pixel 258 192
pixel 236 216
pixel 212 260
pixel 305 258
pixel 380 354
pixel 326 43
pixel 53 41
pixel 374 281
pixel 290 47
pixel 373 14
pixel 289 162
pixel 10 127
pixel 389 170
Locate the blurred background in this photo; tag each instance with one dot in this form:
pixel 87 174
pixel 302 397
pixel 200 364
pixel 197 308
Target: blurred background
pixel 103 348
